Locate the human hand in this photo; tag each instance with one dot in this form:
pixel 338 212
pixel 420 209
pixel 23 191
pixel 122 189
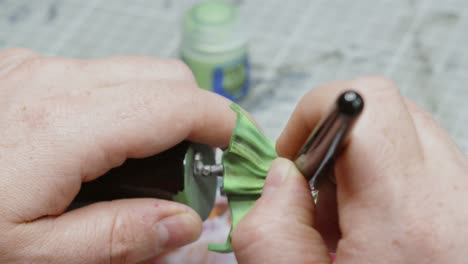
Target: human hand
pixel 68 121
pixel 401 183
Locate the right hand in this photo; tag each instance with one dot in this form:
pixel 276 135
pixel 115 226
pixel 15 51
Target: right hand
pixel 401 187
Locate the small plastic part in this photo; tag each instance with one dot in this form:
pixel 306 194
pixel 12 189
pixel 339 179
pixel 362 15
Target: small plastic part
pixel 246 162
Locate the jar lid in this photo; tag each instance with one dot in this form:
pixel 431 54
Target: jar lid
pixel 213 26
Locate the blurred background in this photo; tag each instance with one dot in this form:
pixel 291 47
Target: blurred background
pixel 293 45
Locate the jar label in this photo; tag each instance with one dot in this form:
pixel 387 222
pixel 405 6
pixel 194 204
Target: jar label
pixel 232 79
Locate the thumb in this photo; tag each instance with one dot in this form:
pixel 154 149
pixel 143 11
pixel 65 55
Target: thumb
pixel 121 231
pixel 278 229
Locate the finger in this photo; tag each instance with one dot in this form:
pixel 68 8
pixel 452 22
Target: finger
pixel 97 131
pixel 279 227
pixel 326 219
pixel 98 73
pixel 436 142
pixel 172 111
pixel 115 70
pixel 122 231
pixel 307 114
pixel 383 143
pixel 142 120
pixel 11 58
pixel 16 52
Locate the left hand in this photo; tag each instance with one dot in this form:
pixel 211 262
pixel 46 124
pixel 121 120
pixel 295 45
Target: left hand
pixel 68 121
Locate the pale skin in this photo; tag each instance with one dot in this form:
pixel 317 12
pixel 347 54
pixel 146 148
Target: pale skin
pixel 401 180
pixel 401 189
pixel 67 121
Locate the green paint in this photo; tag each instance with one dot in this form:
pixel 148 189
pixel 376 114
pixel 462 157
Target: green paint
pixel 246 162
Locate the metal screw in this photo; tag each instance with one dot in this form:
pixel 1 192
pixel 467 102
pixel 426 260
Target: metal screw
pixel 200 169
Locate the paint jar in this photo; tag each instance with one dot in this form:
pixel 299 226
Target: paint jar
pixel 214 46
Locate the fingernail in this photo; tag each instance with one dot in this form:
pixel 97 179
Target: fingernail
pixel 279 170
pixel 178 230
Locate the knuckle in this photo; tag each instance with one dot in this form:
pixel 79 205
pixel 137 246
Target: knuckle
pixel 32 68
pixel 415 109
pixel 424 235
pixel 248 233
pixel 17 52
pixel 36 64
pixel 36 116
pixel 5 244
pixel 37 69
pixel 377 84
pixel 412 105
pixel 423 228
pixel 377 81
pixel 378 89
pixel 121 239
pixel 180 68
pixel 174 68
pixel 11 61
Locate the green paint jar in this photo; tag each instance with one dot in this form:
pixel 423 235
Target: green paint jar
pixel 214 46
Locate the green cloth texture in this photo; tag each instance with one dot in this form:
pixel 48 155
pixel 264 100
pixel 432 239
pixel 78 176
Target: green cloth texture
pixel 246 162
